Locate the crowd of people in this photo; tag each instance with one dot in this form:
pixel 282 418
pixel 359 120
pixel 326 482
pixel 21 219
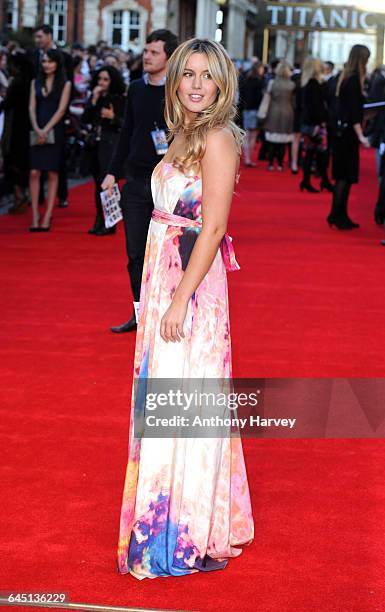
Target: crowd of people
pixel 54 102
pixel 315 113
pixel 67 105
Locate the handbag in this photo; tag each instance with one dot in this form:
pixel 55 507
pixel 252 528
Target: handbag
pixel 308 129
pixel 92 137
pixel 341 126
pixel 264 106
pixel 34 139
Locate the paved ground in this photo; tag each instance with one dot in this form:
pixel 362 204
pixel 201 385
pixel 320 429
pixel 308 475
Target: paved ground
pixel 7 200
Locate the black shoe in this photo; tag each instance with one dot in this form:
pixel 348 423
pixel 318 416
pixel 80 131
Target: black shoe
pixel 63 204
pixel 105 231
pixel 379 216
pixel 342 224
pixel 352 223
pixel 47 227
pixel 308 187
pixel 98 224
pixel 35 228
pixel 327 185
pixel 125 327
pixel 95 229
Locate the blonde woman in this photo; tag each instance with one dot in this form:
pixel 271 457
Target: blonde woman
pixel 313 124
pixel 186 503
pixel 279 123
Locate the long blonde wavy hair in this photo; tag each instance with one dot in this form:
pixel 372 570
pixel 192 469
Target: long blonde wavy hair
pixel 311 69
pixel 220 113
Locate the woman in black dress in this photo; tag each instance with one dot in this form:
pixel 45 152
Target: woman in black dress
pixel 104 115
pixel 313 124
pixel 49 98
pixel 348 135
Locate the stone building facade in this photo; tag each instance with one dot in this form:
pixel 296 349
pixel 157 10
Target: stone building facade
pixel 127 22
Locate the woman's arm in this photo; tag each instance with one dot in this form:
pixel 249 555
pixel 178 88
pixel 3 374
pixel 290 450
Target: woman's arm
pixel 118 110
pixel 355 98
pixel 114 112
pixel 360 135
pixel 89 113
pixel 218 186
pixel 32 107
pixel 63 104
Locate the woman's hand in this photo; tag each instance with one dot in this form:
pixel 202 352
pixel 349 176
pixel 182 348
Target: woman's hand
pixel 316 130
pixel 108 183
pixel 41 136
pixel 171 325
pixel 107 112
pixel 96 92
pixel 364 141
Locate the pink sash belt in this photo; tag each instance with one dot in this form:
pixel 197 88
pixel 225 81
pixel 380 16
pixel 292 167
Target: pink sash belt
pixel 227 249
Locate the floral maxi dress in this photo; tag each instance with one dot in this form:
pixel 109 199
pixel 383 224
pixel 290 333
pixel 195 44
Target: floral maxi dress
pixel 186 502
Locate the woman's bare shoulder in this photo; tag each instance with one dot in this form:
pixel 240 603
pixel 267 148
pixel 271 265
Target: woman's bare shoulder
pixel 221 140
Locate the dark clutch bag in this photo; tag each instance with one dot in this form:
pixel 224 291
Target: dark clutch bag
pixel 34 139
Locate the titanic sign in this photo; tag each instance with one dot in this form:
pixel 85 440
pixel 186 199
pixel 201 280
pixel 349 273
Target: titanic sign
pixel 317 17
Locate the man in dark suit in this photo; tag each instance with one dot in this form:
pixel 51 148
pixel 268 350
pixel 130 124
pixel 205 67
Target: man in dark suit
pixel 144 114
pixel 44 41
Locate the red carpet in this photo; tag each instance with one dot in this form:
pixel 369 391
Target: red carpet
pixel 307 302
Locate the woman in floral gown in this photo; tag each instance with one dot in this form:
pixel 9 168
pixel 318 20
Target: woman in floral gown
pixel 186 503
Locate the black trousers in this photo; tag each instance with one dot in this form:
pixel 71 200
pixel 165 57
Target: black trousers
pixel 276 149
pixel 62 188
pixel 137 206
pixel 98 176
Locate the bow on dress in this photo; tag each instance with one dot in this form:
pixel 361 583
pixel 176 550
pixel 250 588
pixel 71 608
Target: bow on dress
pixel 226 246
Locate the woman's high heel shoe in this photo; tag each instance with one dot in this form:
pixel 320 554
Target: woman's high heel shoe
pixel 106 231
pixel 327 185
pixel 379 215
pixel 352 223
pixel 308 187
pixel 46 228
pixel 35 228
pixel 341 224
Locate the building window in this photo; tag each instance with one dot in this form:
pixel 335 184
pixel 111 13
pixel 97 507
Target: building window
pixel 56 16
pixel 125 30
pixel 11 15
